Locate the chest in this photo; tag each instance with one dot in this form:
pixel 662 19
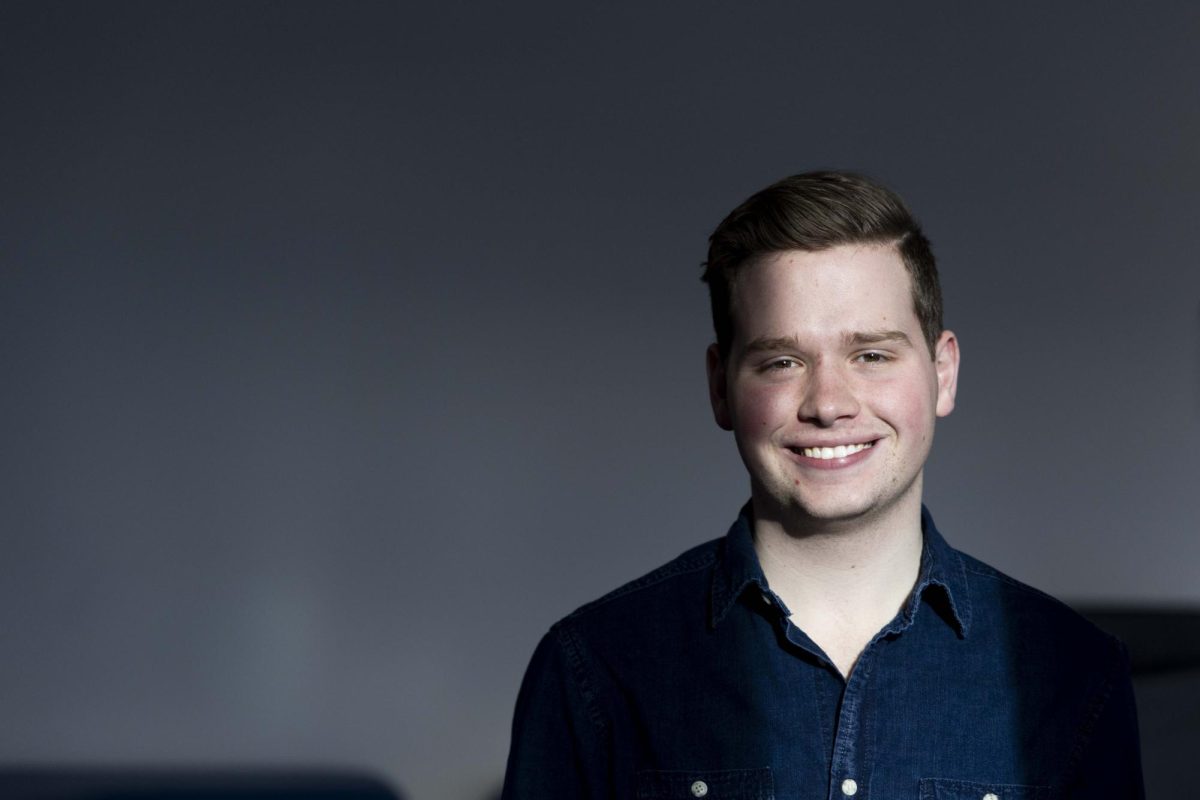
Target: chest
pixel 757 712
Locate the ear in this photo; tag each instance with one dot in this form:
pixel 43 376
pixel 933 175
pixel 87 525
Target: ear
pixel 945 361
pixel 717 388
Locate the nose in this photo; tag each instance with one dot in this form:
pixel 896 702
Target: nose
pixel 828 396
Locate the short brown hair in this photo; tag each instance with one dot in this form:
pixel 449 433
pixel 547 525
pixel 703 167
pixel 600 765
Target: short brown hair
pixel 816 211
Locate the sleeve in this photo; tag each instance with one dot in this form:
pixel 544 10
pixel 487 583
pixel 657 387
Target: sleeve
pixel 559 737
pixel 1111 765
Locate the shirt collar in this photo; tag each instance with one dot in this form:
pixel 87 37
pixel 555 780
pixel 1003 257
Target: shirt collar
pixel 942 569
pixel 737 567
pixel 941 580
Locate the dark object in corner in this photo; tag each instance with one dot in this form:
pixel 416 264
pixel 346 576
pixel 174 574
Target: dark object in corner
pixel 1164 648
pixel 83 783
pixel 1159 639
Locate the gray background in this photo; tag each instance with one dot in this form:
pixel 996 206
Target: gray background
pixel 346 347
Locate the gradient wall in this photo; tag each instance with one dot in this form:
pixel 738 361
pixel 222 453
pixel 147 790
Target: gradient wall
pixel 348 346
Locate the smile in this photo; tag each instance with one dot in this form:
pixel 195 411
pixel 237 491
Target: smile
pixel 826 453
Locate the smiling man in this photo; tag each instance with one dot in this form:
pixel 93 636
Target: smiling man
pixel 831 644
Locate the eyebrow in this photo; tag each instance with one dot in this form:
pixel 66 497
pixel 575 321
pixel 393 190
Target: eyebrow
pixel 860 338
pixel 765 344
pixel 769 345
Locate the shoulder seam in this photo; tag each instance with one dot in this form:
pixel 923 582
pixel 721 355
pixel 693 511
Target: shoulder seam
pixel 697 559
pixel 976 567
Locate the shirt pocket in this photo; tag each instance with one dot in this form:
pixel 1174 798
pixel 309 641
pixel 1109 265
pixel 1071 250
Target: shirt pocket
pixel 731 784
pixel 946 789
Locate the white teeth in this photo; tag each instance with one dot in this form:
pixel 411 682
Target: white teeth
pixel 841 451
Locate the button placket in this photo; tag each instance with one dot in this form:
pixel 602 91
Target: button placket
pixel 853 756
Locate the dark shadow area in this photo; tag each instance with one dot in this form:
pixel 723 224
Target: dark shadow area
pixel 1164 649
pixel 80 783
pixel 1160 640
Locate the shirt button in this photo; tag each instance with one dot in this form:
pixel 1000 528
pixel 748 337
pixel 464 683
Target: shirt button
pixel 991 796
pixel 849 787
pixel 699 789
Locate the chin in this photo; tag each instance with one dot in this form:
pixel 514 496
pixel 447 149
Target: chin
pixel 812 510
pixel 831 513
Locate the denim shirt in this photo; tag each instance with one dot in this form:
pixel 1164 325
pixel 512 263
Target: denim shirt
pixel 692 682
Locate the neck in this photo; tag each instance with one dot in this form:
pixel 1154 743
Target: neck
pixel 842 583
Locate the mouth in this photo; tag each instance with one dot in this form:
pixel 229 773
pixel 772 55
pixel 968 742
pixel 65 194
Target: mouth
pixel 830 453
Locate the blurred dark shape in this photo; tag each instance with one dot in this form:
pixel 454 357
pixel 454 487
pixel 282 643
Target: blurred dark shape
pixel 1164 649
pixel 1159 640
pixel 79 783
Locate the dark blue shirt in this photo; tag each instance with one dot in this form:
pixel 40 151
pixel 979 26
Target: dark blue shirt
pixel 692 682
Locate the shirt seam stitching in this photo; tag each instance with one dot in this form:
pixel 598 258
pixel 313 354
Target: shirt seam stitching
pixel 1097 706
pixel 573 650
pixel 996 575
pixel 662 574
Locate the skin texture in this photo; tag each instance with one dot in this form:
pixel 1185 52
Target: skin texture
pixel 827 350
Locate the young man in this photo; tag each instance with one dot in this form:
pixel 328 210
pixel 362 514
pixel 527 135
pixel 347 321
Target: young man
pixel 832 644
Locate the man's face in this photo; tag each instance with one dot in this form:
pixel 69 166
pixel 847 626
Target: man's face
pixel 829 387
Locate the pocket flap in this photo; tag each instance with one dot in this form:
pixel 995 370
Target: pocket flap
pixel 948 789
pixel 734 784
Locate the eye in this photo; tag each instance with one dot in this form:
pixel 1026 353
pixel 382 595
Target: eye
pixel 782 364
pixel 873 357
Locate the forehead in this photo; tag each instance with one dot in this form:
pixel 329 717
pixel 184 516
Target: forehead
pixel 836 291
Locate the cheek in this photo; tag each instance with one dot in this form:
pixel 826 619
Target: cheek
pixel 762 408
pixel 908 408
